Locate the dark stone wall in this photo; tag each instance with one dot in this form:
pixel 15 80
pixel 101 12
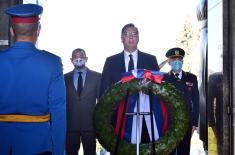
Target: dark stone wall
pixel 229 74
pixel 5 39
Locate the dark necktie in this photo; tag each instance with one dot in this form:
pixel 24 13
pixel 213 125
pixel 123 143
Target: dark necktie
pixel 131 63
pixel 79 86
pixel 177 76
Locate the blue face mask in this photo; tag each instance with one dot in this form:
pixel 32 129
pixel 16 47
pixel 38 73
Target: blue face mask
pixel 176 65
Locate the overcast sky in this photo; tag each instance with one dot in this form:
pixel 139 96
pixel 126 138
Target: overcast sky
pixel 96 26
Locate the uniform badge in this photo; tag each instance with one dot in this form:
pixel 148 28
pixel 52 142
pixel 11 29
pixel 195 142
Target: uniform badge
pixel 177 52
pixel 189 85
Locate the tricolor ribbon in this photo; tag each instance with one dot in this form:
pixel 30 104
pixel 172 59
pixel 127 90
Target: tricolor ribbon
pixel 159 107
pixel 141 74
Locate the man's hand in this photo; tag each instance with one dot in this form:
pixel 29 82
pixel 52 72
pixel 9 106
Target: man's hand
pixel 163 63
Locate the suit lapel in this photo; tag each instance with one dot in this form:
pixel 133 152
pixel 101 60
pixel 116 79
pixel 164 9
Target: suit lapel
pixel 139 60
pixel 172 77
pixel 86 84
pixel 122 62
pixel 71 83
pixel 171 74
pixel 183 76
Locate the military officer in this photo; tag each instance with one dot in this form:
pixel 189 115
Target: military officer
pixel 32 92
pixel 187 84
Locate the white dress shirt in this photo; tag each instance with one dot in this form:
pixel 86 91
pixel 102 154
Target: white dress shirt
pixel 180 74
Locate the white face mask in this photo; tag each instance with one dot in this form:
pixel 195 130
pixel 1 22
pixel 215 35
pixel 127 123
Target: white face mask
pixel 79 62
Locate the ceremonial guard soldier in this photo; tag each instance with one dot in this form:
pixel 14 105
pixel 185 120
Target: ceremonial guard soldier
pixel 32 92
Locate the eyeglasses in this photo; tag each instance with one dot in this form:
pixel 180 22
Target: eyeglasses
pixel 130 34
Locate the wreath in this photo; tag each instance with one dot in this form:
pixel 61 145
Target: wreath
pixel 177 111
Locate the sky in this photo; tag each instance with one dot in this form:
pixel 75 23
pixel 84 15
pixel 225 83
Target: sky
pixel 96 27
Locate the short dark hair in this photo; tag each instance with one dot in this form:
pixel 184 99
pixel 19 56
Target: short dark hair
pixel 79 50
pixel 25 29
pixel 128 26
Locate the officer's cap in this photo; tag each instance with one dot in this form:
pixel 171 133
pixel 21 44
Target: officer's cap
pixel 175 52
pixel 24 13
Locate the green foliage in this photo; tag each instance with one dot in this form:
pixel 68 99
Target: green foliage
pixel 109 101
pixel 186 41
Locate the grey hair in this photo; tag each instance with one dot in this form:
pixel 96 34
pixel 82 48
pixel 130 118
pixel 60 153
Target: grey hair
pixel 79 50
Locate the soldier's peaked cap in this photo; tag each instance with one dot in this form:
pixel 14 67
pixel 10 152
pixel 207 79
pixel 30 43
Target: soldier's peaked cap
pixel 175 52
pixel 24 13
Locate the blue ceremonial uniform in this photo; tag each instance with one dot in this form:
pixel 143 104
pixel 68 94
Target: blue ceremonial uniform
pixel 31 86
pixel 31 83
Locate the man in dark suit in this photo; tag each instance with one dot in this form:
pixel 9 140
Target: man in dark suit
pixel 32 91
pixel 130 58
pixel 82 89
pixel 117 64
pixel 187 84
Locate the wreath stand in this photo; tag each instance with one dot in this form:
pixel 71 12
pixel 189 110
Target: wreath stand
pixel 137 113
pixel 104 111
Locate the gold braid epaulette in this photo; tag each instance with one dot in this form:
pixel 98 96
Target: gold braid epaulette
pixel 24 118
